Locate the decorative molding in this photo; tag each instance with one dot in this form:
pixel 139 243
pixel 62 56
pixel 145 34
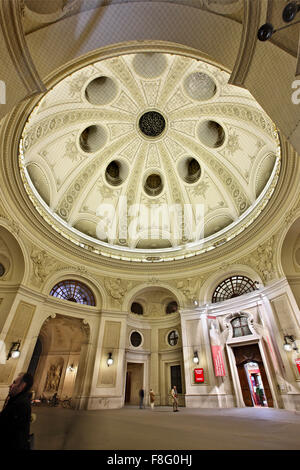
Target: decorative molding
pixel 262 259
pixel 43 265
pixel 13 34
pixel 117 288
pixel 251 23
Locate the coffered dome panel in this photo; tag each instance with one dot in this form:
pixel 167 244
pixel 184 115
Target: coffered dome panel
pixel 149 157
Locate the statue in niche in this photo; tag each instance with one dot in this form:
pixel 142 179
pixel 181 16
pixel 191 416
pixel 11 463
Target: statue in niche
pixel 53 378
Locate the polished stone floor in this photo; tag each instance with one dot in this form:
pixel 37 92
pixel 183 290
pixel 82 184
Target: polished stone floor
pixel 130 428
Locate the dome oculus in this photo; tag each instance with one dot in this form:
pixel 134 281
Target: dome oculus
pixel 152 124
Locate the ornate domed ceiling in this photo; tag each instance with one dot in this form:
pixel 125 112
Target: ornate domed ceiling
pixel 149 157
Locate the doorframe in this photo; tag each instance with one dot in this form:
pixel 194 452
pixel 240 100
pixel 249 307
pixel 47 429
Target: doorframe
pixel 234 371
pixel 137 358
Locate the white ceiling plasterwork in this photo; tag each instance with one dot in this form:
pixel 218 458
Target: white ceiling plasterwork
pixel 206 152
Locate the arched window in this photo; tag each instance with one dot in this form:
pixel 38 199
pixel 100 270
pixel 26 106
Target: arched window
pixel 172 307
pixel 233 287
pixel 240 327
pixel 137 308
pixel 73 291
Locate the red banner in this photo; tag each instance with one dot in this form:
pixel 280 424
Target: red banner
pixel 199 375
pixel 298 364
pixel 216 347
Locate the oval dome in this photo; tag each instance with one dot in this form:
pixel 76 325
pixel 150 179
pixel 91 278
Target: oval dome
pixel 153 124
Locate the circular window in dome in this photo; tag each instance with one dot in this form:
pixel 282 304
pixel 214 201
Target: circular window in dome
pixel 116 172
pixel 211 134
pixel 149 64
pixel 101 91
pixel 153 185
pixel 112 173
pixel 172 307
pixel 200 86
pixel 135 339
pixel 173 338
pixel 189 170
pixel 137 308
pixel 92 139
pixel 2 270
pixel 152 124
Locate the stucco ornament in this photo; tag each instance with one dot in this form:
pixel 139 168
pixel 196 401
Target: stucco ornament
pixel 116 288
pixel 265 260
pixel 43 265
pixel 190 288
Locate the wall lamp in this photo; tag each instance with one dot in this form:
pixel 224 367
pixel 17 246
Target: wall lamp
pixel 290 343
pixel 196 358
pixel 289 12
pixel 110 360
pixel 14 351
pixel 71 368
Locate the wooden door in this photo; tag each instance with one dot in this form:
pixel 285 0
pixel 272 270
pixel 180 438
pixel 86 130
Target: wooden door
pixel 244 385
pixel 243 355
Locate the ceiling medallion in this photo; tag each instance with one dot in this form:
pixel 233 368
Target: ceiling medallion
pixel 152 124
pixel 153 174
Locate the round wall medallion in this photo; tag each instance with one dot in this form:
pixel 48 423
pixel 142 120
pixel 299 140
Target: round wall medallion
pixel 152 124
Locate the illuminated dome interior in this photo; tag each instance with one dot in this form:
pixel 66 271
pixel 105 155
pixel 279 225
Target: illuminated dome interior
pixel 149 156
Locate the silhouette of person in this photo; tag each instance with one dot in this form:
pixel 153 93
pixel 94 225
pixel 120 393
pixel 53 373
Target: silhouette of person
pixel 15 416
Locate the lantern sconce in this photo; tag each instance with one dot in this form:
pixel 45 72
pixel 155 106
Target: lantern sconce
pixel 14 351
pixel 196 358
pixel 110 360
pixel 290 343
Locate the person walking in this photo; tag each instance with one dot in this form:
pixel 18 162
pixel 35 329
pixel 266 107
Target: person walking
pixel 15 416
pixel 152 398
pixel 141 395
pixel 174 398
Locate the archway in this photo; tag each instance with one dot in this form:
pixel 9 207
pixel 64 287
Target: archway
pixel 58 357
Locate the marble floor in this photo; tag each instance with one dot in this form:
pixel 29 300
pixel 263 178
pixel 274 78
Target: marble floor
pixel 131 428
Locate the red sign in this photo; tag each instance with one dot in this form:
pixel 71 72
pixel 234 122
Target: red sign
pixel 298 365
pixel 199 375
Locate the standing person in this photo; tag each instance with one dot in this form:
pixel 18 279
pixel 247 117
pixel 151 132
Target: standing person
pixel 174 398
pixel 260 395
pixel 15 416
pixel 152 398
pixel 142 394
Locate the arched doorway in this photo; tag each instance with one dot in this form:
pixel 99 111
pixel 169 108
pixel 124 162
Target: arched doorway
pixel 57 357
pixel 252 375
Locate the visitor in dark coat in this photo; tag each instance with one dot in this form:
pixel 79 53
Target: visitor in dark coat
pixel 15 416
